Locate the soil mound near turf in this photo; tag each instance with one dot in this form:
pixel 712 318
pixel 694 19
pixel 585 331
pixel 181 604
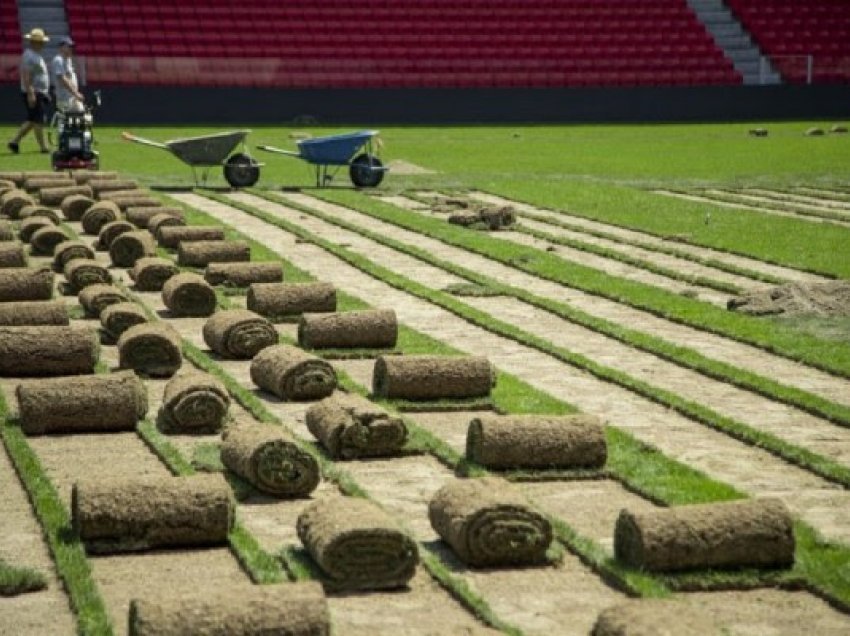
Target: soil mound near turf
pixel 831 298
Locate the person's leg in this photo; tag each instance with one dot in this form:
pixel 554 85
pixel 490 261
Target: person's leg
pixel 38 129
pixel 22 132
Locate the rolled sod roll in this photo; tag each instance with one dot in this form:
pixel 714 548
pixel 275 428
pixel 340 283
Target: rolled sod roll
pixel 99 215
pixel 12 254
pixel 16 178
pixel 110 185
pixel 202 253
pixel 12 201
pixel 171 236
pixel 751 533
pixel 141 216
pixel 55 196
pixel 125 201
pixel 30 211
pixel 292 374
pixel 276 300
pixel 655 617
pixel 432 377
pixel 112 231
pixel 31 224
pixel 68 251
pixel 102 402
pixel 35 184
pixel 153 349
pixel 118 318
pixel 193 403
pixel 163 220
pixel 45 239
pixel 150 273
pixel 33 313
pixel 82 273
pixel 97 297
pixel 371 328
pixel 188 295
pixel 74 206
pixel 116 194
pixel 350 426
pixel 238 333
pixel 269 458
pixel 537 441
pixel 287 609
pixel 129 247
pixel 7 232
pixel 356 544
pixel 487 522
pixel 84 176
pixel 152 512
pixel 47 350
pixel 243 274
pixel 19 283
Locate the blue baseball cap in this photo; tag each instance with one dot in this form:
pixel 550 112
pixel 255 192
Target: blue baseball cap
pixel 66 41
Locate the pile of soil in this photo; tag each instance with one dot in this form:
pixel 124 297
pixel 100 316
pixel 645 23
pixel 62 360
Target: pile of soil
pixel 478 216
pixel 831 298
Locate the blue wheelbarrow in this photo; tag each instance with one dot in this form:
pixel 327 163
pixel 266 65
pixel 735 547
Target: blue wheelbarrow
pixel 329 154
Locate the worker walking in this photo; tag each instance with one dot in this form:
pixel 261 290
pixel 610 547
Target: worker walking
pixel 64 78
pixel 35 85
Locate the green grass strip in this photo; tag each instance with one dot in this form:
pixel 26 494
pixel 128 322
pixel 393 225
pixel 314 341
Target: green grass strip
pixel 688 358
pixel 19 580
pixel 160 445
pixel 829 356
pixel 771 204
pixel 69 555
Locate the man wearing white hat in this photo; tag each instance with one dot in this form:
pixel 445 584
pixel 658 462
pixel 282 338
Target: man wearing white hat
pixel 64 78
pixel 35 84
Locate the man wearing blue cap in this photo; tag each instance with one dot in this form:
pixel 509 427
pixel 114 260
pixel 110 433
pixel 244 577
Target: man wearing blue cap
pixel 35 84
pixel 64 78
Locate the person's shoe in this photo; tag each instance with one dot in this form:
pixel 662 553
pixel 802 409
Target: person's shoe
pixel 13 147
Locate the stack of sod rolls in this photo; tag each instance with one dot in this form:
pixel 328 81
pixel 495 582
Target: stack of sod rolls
pixel 47 350
pixel 357 545
pixel 427 377
pixel 238 334
pixel 193 403
pixel 350 426
pixel 292 374
pixel 488 523
pixel 367 329
pixel 269 458
pixel 152 512
pixel 280 300
pixel 750 533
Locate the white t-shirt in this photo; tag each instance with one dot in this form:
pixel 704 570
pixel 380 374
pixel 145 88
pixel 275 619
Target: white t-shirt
pixel 34 63
pixel 59 67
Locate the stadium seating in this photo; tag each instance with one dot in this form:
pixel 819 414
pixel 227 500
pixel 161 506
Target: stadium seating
pixel 396 43
pixel 10 46
pixel 790 31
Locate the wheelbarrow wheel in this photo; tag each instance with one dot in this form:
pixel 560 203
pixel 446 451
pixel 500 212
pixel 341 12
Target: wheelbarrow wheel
pixel 241 171
pixel 366 171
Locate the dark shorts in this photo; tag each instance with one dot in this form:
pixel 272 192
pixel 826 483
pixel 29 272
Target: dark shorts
pixel 38 113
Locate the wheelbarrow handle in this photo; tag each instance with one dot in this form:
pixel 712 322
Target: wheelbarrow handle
pixel 279 151
pixel 141 140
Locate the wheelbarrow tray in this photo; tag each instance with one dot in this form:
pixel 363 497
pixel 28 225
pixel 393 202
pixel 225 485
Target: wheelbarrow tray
pixel 333 150
pixel 206 150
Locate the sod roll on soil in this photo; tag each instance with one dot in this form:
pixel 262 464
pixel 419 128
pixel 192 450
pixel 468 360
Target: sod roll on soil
pixel 537 441
pixel 655 617
pixel 45 239
pixel 12 201
pixel 39 210
pixel 750 533
pixel 152 512
pixel 101 185
pixel 357 545
pixel 111 231
pixel 74 206
pixel 76 404
pixel 202 253
pixel 269 458
pixel 188 295
pixel 243 274
pixel 30 225
pixel 151 349
pixel 47 350
pixel 292 374
pixel 350 426
pixel 98 215
pixel 56 180
pixel 124 201
pixel 171 236
pixel 84 176
pixel 151 273
pixel 284 609
pixel 163 219
pixel 68 251
pixel 34 313
pixel 12 254
pixel 129 247
pixel 193 403
pixel 142 216
pixel 7 232
pixel 118 318
pixel 278 300
pixel 426 377
pixel 238 334
pixel 55 196
pixel 20 283
pixel 95 298
pixel 488 523
pixel 367 329
pixel 82 273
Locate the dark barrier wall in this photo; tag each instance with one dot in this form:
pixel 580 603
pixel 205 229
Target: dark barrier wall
pixel 173 105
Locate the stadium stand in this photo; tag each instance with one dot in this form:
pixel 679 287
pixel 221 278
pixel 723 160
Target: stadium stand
pixel 802 38
pixel 396 43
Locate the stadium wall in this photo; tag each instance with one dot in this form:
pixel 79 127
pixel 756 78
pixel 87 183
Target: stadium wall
pixel 181 105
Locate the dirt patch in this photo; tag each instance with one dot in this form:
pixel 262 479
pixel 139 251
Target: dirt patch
pixel 449 426
pixel 794 299
pixel 358 370
pixel 408 169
